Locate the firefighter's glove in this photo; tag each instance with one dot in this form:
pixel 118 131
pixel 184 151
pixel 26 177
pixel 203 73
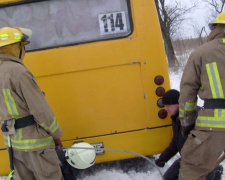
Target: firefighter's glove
pixel 160 162
pixel 187 129
pixel 8 127
pixel 58 144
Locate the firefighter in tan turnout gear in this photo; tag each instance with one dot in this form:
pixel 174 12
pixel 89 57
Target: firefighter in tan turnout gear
pixel 28 124
pixel 204 75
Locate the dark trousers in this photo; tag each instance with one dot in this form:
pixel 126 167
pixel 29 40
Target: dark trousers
pixel 68 172
pixel 173 172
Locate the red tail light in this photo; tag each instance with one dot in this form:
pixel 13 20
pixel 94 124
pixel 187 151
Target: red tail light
pixel 160 91
pixel 162 114
pixel 159 80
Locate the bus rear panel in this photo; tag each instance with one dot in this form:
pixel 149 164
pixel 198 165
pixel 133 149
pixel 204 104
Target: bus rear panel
pixel 103 68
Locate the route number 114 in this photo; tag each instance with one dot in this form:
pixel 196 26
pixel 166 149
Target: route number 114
pixel 112 23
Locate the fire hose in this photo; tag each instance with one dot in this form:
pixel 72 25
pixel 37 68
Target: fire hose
pixel 119 150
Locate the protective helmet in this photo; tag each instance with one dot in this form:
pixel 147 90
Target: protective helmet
pixel 81 158
pixel 9 35
pixel 220 19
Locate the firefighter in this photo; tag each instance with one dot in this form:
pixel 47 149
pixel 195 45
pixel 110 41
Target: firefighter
pixel 204 76
pixel 28 124
pixel 170 100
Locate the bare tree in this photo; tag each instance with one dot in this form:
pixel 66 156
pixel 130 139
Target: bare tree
pixel 216 7
pixel 171 16
pixel 200 32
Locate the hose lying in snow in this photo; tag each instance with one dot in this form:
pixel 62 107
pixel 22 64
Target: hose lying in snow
pixel 118 150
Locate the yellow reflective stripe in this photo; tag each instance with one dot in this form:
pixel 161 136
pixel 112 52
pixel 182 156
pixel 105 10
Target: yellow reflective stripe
pixel 220 88
pixel 181 112
pixel 211 122
pixel 18 134
pixel 54 126
pixel 212 118
pixel 223 113
pixel 211 81
pixel 32 143
pixel 44 126
pixel 223 40
pixel 216 112
pixel 214 80
pixel 17 36
pixel 10 176
pixel 10 103
pixel 208 125
pixel 219 112
pixel 4 35
pixel 190 106
pixel 191 103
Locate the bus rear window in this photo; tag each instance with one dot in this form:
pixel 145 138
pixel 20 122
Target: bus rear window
pixel 65 22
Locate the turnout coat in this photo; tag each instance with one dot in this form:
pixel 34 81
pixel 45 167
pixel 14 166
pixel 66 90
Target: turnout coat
pixel 204 76
pixel 20 96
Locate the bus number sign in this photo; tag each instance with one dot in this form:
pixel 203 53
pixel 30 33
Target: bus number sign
pixel 112 23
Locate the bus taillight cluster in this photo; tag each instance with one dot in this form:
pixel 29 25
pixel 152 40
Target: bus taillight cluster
pixel 160 91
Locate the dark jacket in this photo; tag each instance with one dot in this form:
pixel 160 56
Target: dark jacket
pixel 177 141
pixel 69 172
pixel 20 96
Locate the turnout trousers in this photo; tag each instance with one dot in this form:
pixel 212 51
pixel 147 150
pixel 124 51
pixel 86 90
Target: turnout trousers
pixel 200 154
pixel 36 165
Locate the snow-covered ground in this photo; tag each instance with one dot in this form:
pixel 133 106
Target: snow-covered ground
pixel 149 172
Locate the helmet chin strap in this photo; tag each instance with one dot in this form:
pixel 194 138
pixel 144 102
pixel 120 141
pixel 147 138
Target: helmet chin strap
pixel 22 51
pixel 20 55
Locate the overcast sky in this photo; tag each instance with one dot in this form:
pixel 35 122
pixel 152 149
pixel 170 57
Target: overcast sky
pixel 197 17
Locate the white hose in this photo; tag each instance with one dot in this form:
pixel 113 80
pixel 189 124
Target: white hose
pixel 118 150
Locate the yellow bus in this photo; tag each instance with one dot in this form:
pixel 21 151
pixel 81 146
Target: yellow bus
pixel 103 68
